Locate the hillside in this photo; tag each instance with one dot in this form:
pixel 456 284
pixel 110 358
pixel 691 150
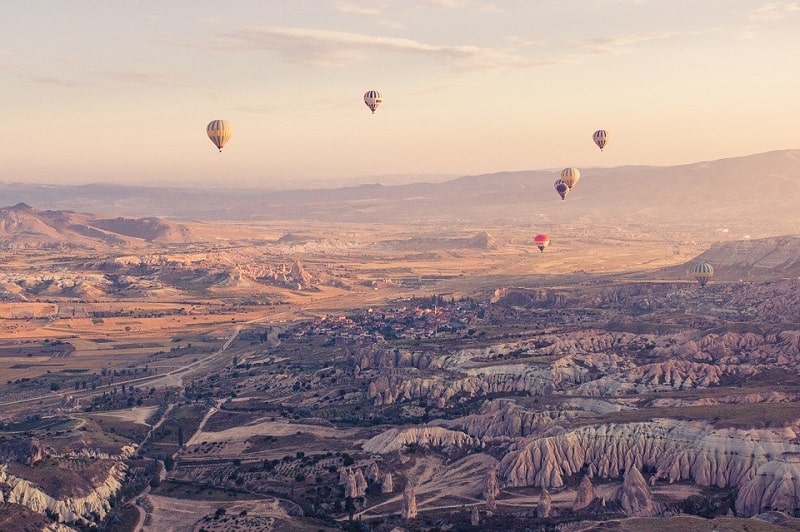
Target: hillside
pixel 755 194
pixel 28 226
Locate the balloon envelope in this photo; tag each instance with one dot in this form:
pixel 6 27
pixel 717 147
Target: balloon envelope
pixel 541 241
pixel 219 131
pixel 570 176
pixel 703 271
pixel 561 188
pixel 600 137
pixel 373 99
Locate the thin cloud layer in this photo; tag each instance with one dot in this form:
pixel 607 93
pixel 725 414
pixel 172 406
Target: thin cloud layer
pixel 622 42
pixel 336 48
pixel 775 10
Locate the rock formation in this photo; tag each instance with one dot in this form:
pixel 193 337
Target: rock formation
pixel 409 503
pixel 78 508
pixel 22 451
pixel 361 483
pixel 474 516
pixel 387 486
pixel 678 450
pixel 775 486
pixel 435 437
pixel 300 275
pixel 373 473
pixel 344 476
pixel 491 489
pixel 635 497
pixel 544 506
pixel 585 495
pixel 350 485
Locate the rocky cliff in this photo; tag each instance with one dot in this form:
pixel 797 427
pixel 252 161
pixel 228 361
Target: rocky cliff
pixel 775 486
pixel 676 450
pixel 432 437
pixel 79 508
pixel 634 495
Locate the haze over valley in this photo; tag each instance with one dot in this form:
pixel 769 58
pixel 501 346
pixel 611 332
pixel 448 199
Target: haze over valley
pixel 386 356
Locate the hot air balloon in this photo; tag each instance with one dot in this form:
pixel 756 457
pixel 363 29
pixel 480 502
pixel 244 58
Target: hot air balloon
pixel 219 131
pixel 541 241
pixel 600 137
pixel 373 99
pixel 570 177
pixel 703 271
pixel 561 188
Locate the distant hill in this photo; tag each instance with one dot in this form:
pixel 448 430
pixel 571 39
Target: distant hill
pixel 759 190
pixel 750 260
pixel 23 224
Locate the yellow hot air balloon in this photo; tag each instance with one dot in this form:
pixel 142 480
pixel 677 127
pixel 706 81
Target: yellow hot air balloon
pixel 219 131
pixel 703 271
pixel 570 177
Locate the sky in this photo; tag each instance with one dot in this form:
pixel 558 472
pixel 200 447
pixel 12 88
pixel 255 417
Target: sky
pixel 120 92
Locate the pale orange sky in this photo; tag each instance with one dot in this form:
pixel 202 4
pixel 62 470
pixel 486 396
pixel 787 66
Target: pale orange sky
pixel 97 91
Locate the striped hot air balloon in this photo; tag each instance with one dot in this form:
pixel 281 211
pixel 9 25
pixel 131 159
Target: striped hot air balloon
pixel 561 188
pixel 219 131
pixel 703 271
pixel 570 177
pixel 541 241
pixel 600 137
pixel 373 99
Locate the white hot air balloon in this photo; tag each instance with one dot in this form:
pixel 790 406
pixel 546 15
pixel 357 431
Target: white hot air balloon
pixel 373 99
pixel 600 137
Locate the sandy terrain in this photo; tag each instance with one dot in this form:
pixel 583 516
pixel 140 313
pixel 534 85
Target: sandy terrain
pixel 278 427
pixel 182 515
pixel 138 415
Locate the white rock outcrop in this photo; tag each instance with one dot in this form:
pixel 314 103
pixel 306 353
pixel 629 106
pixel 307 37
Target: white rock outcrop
pixel 775 486
pixel 70 509
pixel 433 437
pixel 585 495
pixel 635 497
pixel 677 450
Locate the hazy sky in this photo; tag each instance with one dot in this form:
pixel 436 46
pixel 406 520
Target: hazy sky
pixel 100 91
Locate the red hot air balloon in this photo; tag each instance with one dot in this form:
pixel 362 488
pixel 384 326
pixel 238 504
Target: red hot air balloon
pixel 541 241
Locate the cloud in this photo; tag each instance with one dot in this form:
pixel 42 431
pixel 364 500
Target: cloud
pixel 456 4
pixel 336 48
pixel 602 45
pixel 49 80
pixel 129 77
pixel 359 9
pixel 775 10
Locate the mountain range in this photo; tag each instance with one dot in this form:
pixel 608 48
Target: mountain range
pixel 758 191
